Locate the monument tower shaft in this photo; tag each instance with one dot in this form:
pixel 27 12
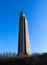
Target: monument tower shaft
pixel 23 41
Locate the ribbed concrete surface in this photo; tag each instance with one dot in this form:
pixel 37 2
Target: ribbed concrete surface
pixel 23 39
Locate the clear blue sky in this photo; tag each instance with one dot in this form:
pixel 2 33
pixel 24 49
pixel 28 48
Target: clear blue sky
pixel 36 14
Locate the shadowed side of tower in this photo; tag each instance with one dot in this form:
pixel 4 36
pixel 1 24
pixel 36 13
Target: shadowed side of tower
pixel 23 39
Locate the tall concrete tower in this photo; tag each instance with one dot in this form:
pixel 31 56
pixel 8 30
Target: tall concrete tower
pixel 23 39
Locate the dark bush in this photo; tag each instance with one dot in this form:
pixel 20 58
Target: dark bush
pixel 13 59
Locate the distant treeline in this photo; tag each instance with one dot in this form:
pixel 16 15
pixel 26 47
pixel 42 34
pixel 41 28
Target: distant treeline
pixel 13 59
pixel 7 55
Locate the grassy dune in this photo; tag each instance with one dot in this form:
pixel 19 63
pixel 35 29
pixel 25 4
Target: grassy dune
pixel 35 59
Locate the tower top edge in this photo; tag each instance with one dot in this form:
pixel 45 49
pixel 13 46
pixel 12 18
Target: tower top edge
pixel 22 14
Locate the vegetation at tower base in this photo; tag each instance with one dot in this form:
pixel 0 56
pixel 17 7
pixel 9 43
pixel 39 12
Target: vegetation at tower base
pixel 35 59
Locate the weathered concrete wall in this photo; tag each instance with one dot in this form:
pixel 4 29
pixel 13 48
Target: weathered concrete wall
pixel 23 41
